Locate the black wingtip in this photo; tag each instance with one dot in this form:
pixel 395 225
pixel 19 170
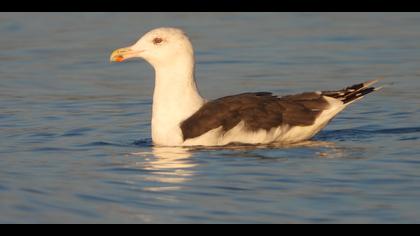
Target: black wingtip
pixel 358 95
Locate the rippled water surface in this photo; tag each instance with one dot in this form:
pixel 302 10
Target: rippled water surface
pixel 75 135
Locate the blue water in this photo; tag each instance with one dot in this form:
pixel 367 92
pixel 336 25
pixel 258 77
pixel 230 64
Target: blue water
pixel 75 129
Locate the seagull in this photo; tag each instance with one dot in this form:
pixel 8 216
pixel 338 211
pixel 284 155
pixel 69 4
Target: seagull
pixel 182 117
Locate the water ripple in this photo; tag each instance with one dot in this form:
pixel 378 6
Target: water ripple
pixel 77 132
pixel 361 134
pixel 93 198
pixel 102 143
pixel 126 170
pixel 143 143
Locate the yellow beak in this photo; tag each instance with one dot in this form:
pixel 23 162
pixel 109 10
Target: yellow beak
pixel 122 54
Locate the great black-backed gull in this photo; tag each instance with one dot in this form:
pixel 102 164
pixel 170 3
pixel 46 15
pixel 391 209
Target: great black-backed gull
pixel 181 117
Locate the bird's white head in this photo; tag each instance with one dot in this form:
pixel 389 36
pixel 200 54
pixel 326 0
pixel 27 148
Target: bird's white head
pixel 175 96
pixel 160 47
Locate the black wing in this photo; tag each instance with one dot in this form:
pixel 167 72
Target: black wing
pixel 264 111
pixel 258 110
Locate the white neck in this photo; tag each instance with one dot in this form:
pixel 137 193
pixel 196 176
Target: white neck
pixel 175 99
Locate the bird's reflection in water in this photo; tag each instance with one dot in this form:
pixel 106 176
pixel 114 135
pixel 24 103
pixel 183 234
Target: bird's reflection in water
pixel 326 149
pixel 170 166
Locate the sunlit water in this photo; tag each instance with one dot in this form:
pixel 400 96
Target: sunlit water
pixel 75 129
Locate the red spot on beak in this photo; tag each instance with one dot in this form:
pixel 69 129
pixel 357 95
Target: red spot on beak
pixel 119 58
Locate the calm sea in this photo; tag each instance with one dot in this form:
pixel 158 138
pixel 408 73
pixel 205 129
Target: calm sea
pixel 75 129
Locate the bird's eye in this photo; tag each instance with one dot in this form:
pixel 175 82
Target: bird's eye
pixel 157 40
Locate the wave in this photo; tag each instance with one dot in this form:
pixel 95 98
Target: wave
pixel 362 133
